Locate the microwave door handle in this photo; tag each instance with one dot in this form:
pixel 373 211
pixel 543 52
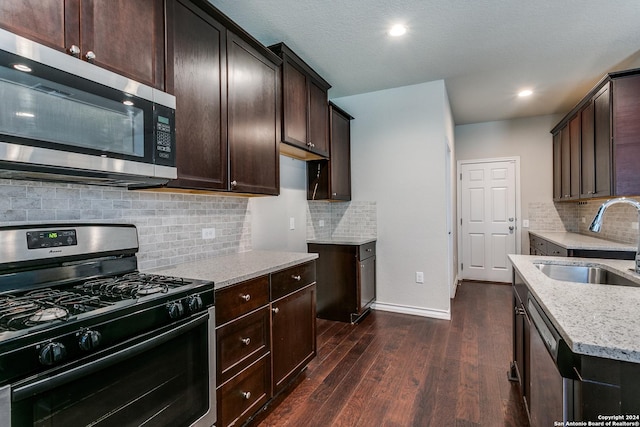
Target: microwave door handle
pixel 45 384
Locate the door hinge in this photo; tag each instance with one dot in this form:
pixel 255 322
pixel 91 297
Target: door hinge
pixel 461 267
pixel 460 221
pixel 460 176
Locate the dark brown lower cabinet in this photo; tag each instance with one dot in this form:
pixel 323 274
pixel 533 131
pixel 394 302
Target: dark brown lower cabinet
pixel 294 340
pixel 265 336
pixel 346 279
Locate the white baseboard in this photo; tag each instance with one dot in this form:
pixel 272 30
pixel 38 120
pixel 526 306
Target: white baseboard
pixel 416 311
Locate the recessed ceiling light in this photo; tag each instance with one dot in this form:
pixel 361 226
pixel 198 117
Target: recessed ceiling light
pixel 397 30
pixel 22 67
pixel 525 93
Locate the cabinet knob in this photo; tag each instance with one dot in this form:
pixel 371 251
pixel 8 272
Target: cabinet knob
pixel 246 341
pixel 275 310
pixel 294 277
pixel 74 51
pixel 234 183
pixel 246 297
pixel 90 56
pixel 334 194
pixel 246 395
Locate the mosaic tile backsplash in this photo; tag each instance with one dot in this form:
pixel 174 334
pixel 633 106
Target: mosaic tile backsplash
pixel 169 225
pixel 342 220
pixel 617 224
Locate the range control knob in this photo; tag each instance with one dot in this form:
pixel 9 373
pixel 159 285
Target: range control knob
pixel 176 309
pixel 194 303
pixel 89 340
pixel 52 353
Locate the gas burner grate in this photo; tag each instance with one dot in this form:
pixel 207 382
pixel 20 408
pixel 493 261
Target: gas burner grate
pixel 43 306
pixel 132 285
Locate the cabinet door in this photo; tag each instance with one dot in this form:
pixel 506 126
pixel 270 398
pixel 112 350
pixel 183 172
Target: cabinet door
pixel 626 135
pixel 293 334
pixel 587 153
pixel 574 144
pixel 253 119
pixel 565 163
pixel 197 79
pixel 42 21
pixel 340 163
pixel 127 37
pixel 318 120
pixel 366 283
pixel 557 166
pixel 602 142
pixel 294 125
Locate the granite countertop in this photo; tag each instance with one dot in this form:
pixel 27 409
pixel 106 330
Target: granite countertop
pixel 230 269
pixel 581 241
pixel 344 241
pixel 595 320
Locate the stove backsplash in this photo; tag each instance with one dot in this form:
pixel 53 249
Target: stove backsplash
pixel 342 220
pixel 617 224
pixel 169 225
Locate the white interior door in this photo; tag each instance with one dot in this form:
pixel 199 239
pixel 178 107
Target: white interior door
pixel 488 219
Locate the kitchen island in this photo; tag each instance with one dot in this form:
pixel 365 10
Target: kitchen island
pixel 576 346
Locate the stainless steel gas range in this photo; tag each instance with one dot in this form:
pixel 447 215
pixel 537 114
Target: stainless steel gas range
pixel 86 339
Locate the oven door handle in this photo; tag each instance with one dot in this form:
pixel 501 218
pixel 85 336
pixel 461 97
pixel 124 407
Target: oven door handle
pixel 48 383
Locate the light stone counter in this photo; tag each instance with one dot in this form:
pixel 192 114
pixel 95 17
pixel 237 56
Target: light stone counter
pixel 595 320
pixel 348 242
pixel 230 269
pixel 581 241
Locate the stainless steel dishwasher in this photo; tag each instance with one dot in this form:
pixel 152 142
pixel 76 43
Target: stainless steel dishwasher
pixel 550 384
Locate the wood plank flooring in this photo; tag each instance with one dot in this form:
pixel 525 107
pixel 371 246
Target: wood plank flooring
pixel 401 370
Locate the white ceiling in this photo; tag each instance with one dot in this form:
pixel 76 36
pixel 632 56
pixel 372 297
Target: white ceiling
pixel 485 50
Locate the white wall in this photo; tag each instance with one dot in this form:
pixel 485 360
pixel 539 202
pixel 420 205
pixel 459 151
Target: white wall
pixel 528 138
pixel 398 160
pixel 270 215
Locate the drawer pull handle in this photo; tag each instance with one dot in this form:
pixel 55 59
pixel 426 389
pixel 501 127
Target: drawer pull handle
pixel 246 341
pixel 246 395
pixel 294 277
pixel 245 297
pixel 369 250
pixel 275 310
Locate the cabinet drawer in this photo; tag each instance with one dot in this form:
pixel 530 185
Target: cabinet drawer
pixel 236 300
pixel 244 394
pixel 539 244
pixel 241 342
pixel 286 281
pixel 555 250
pixel 366 251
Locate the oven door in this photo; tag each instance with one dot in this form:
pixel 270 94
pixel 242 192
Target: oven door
pixel 162 380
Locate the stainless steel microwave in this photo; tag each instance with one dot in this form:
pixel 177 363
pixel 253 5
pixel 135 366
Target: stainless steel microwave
pixel 64 119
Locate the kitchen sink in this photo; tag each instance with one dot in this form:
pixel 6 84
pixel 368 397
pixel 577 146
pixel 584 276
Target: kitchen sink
pixel 584 274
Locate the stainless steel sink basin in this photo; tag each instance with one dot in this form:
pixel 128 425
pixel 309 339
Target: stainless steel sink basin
pixel 583 274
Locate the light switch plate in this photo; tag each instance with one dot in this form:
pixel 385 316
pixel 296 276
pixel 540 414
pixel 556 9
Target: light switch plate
pixel 525 223
pixel 292 223
pixel 321 223
pixel 419 277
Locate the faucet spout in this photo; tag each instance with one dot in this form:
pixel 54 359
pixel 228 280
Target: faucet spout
pixel 596 224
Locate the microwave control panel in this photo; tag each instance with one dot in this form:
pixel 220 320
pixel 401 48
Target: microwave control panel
pixel 164 131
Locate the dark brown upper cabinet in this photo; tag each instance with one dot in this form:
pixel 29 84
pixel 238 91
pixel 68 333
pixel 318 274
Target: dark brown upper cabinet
pixel 331 179
pixel 227 94
pixel 305 113
pixel 126 37
pixel 609 139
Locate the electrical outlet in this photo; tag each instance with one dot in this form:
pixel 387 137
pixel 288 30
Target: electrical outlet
pixel 321 223
pixel 419 277
pixel 583 219
pixel 208 233
pixel 634 225
pixel 292 223
pixel 525 223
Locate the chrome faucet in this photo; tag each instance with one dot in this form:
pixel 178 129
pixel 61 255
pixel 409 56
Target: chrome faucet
pixel 596 224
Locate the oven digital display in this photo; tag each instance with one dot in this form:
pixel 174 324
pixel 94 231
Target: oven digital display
pixel 51 238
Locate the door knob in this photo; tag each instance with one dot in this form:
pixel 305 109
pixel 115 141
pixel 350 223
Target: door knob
pixel 511 227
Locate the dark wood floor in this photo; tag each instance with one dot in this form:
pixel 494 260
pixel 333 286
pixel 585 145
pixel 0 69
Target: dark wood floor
pixel 401 370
